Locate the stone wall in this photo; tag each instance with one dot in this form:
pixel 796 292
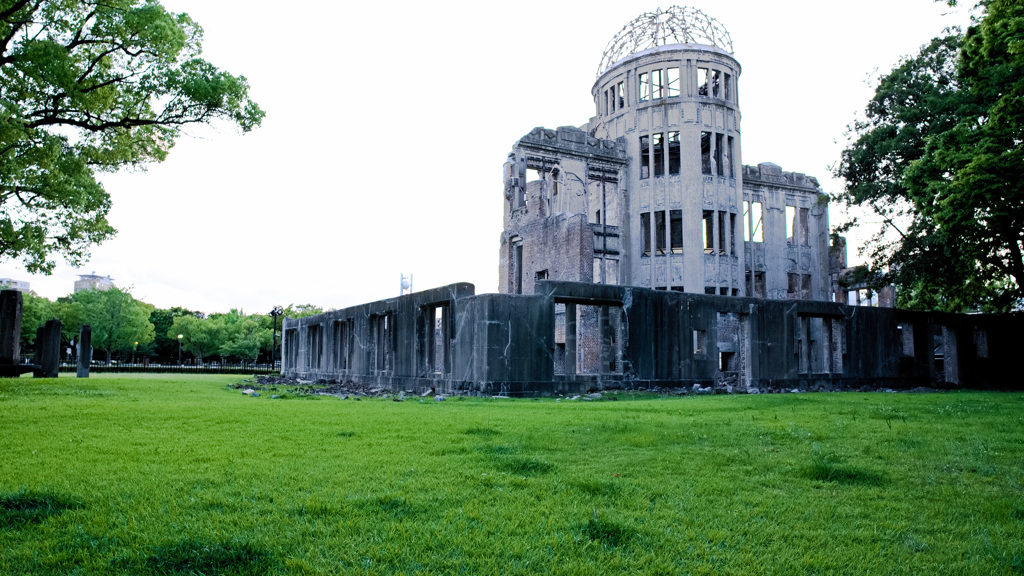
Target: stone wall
pixel 616 336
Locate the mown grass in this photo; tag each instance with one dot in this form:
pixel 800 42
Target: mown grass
pixel 122 474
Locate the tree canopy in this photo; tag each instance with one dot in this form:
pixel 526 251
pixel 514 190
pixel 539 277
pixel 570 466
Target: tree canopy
pixel 119 322
pixel 89 86
pixel 938 157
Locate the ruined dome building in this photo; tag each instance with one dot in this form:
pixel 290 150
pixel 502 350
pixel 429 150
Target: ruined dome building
pixel 637 251
pixel 652 192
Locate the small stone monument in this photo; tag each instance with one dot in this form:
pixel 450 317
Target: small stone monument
pixel 84 351
pixel 10 335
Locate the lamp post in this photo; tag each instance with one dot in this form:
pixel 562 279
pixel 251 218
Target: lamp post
pixel 180 336
pixel 134 350
pixel 277 311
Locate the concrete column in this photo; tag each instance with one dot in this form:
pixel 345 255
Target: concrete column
pixel 606 340
pixel 570 339
pixel 84 350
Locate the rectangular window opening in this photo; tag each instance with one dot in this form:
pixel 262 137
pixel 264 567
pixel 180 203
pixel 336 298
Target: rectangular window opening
pixel 732 234
pixel 719 166
pixel 727 84
pixel 729 159
pixel 721 233
pixel 659 232
pixel 805 230
pixel 705 152
pixel 702 81
pixel 657 85
pixel 790 223
pixel 645 157
pixel 621 95
pixel 673 153
pixel 659 153
pixel 755 217
pixel 643 85
pixel 541 275
pixel 672 88
pixel 805 286
pixel 709 231
pixel 676 231
pixel 793 285
pixel 716 91
pixel 700 344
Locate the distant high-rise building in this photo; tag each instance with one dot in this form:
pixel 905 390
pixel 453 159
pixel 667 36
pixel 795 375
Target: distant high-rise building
pixel 93 282
pixel 12 284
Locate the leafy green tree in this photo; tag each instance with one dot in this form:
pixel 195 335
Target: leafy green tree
pixel 244 336
pixel 199 336
pixel 35 311
pixel 302 310
pixel 117 319
pixel 87 86
pixel 164 345
pixel 939 159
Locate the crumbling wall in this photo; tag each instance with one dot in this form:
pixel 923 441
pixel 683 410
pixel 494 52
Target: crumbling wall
pixel 574 336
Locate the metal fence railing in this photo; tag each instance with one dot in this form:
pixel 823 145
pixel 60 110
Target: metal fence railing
pixel 173 367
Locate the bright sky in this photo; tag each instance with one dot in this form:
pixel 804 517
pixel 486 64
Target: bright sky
pixel 387 126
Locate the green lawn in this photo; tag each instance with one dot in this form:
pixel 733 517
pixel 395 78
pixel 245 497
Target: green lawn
pixel 122 474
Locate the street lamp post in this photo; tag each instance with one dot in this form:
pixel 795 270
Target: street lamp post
pixel 277 311
pixel 180 336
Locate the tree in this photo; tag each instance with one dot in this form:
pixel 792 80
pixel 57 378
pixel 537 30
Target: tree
pixel 243 336
pixel 87 86
pixel 165 344
pixel 35 311
pixel 117 319
pixel 939 159
pixel 199 336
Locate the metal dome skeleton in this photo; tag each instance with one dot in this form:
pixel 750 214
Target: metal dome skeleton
pixel 676 25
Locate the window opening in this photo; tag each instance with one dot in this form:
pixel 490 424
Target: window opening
pixel 721 233
pixel 760 286
pixel 621 96
pixel 541 275
pixel 700 345
pixel 645 157
pixel 805 231
pixel 755 217
pixel 794 281
pixel 676 231
pixel 673 153
pixel 672 88
pixel 790 223
pixel 719 167
pixel 727 85
pixel 644 82
pixel 710 290
pixel 705 152
pixel 732 234
pixel 716 84
pixel 805 286
pixel 656 84
pixel 659 232
pixel 709 232
pixel 728 158
pixel 659 154
pixel 645 232
pixel 702 81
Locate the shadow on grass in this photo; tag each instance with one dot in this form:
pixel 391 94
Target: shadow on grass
pixel 828 467
pixel 25 507
pixel 395 507
pixel 607 532
pixel 195 557
pixel 505 458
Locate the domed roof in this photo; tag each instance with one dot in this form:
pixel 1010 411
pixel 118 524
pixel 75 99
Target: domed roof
pixel 677 25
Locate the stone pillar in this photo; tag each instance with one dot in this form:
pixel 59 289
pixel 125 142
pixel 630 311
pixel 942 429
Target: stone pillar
pixel 48 350
pixel 84 351
pixel 10 327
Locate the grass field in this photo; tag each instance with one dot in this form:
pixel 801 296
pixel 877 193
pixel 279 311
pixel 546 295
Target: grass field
pixel 122 474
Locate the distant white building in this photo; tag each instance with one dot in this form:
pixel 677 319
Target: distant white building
pixel 12 284
pixel 93 282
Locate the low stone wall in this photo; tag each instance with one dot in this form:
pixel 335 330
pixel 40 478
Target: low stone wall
pixel 451 340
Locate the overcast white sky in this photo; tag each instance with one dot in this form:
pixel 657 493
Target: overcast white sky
pixel 388 123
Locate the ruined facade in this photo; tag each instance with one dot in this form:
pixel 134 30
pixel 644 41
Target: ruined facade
pixel 657 177
pixel 638 251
